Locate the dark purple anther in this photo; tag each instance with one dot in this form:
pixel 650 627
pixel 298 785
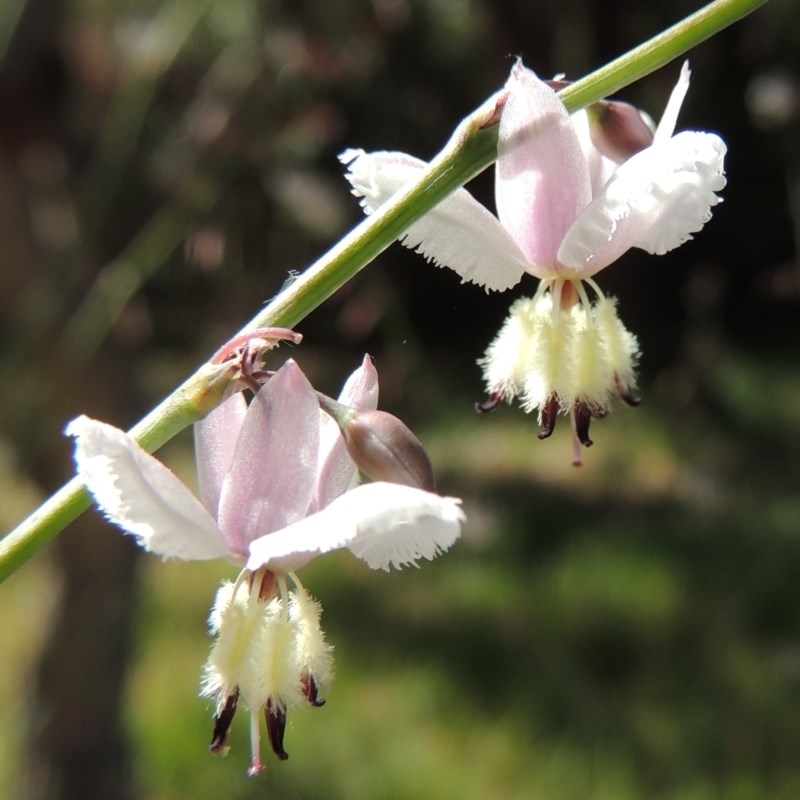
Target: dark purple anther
pixel 549 417
pixel 582 414
pixel 276 727
pixel 310 690
pixel 222 725
pixel 490 403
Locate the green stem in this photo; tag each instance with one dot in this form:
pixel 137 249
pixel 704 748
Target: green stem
pixel 658 51
pixel 470 150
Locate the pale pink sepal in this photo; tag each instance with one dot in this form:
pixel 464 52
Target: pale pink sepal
pixel 273 474
pixel 459 233
pixel 215 439
pixel 337 470
pixel 655 201
pixel 600 166
pixel 384 524
pixel 542 178
pixel 138 493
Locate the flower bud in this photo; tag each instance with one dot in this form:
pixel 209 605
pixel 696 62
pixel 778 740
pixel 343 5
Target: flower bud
pixel 382 446
pixel 619 130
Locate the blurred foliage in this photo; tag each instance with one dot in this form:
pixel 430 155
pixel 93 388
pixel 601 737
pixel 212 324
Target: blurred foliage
pixel 628 630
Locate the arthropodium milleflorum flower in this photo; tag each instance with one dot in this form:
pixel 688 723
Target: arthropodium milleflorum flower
pixel 278 487
pixel 573 194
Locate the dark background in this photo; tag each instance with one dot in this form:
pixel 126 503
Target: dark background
pixel 627 630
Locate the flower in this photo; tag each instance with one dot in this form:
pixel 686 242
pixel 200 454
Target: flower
pixel 278 488
pixel 570 201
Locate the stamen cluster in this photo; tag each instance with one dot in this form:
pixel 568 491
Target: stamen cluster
pixel 269 651
pixel 559 352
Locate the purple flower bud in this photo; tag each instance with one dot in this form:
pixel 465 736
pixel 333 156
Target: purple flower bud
pixel 385 449
pixel 382 446
pixel 619 130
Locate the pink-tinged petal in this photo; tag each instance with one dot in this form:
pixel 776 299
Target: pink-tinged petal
pixel 138 493
pixel 360 390
pixel 666 125
pixel 214 443
pixel 384 524
pixel 600 167
pixel 542 179
pixel 274 468
pixel 655 201
pixel 459 233
pixel 337 470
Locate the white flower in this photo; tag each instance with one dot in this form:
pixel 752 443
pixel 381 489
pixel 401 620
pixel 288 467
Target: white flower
pixel 567 207
pixel 278 488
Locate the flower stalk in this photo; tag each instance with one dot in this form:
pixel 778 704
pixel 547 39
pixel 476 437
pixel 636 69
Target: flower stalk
pixel 471 149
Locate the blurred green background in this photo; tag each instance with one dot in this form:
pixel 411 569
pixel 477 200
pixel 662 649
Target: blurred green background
pixel 626 630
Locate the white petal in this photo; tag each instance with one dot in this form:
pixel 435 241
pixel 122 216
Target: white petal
pixel 384 524
pixel 656 200
pixel 666 125
pixel 138 493
pixel 459 233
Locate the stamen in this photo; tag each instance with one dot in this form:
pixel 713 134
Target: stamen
pixel 276 727
pixel 284 592
pixel 549 415
pixel 626 396
pixel 582 416
pixel 595 288
pixel 222 725
pixel 583 295
pixel 244 575
pixel 310 690
pixel 490 403
pixel 295 580
pixel 256 764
